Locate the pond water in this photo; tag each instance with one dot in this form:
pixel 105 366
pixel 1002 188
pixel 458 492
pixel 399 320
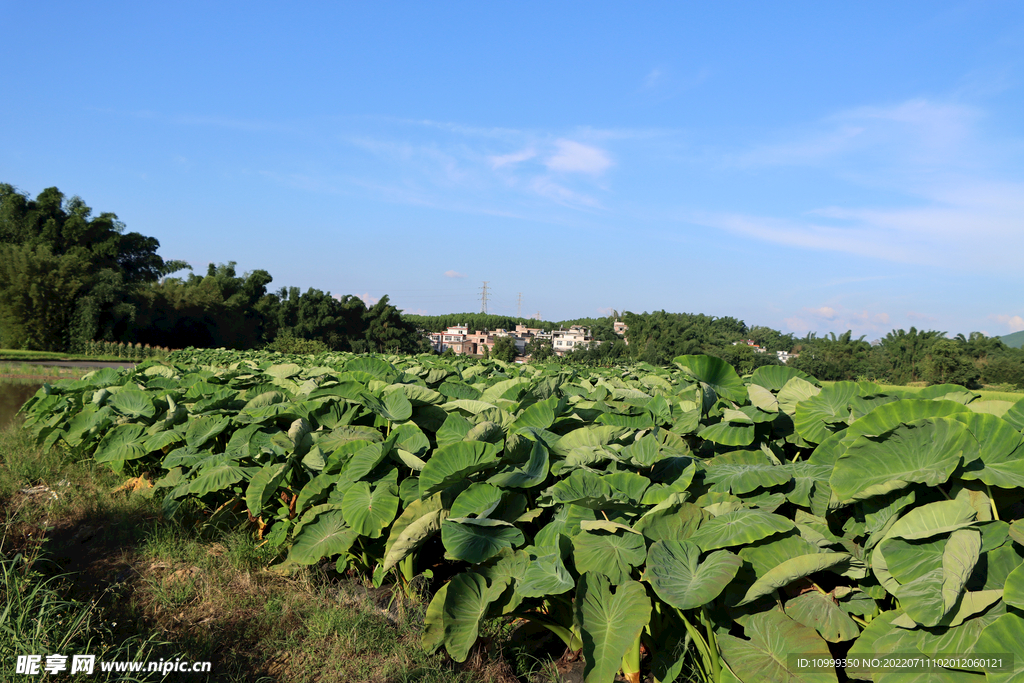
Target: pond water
pixel 12 396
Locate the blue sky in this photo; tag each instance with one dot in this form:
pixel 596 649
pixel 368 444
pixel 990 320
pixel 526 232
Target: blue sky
pixel 809 166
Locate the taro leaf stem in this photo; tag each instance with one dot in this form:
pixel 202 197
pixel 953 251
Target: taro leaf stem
pixel 631 662
pixel 699 643
pixel 992 502
pixel 716 665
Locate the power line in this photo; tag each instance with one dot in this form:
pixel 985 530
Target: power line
pixel 483 297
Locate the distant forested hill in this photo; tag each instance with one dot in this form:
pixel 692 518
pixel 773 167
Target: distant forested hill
pixel 1014 341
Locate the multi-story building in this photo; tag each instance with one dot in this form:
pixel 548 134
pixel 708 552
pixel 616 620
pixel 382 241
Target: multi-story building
pixel 453 338
pixel 563 341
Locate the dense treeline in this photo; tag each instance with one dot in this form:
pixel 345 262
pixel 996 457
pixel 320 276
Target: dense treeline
pixel 68 278
pixel 901 357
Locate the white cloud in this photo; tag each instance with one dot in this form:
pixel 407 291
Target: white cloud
pixel 453 273
pixel 367 299
pixel 826 312
pixel 1014 322
pixel 575 157
pixel 909 133
pixel 513 158
pixel 546 187
pixel 838 319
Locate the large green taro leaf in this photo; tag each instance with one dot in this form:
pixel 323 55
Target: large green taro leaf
pixel 1013 591
pixel 477 540
pixel 531 474
pixel 672 519
pixel 715 373
pixel 728 433
pixel 417 523
pixel 825 413
pixel 820 611
pixel 217 478
pixel 1015 415
pixel 679 578
pixel 609 623
pixel 262 486
pixel 133 403
pixel 453 463
pixel 453 430
pixel 582 488
pixel 774 637
pixel 368 513
pixel 1001 457
pixel 741 472
pixel 774 377
pixel 465 604
pixel 796 390
pixel 433 621
pixel 891 415
pixel 611 554
pixel 411 438
pixel 791 570
pixel 120 444
pixel 202 429
pixel 600 435
pixel 378 367
pixel 941 517
pixel 932 574
pixel 1004 635
pixel 479 500
pixel 566 522
pixel 738 528
pixel 397 407
pixel 540 415
pixel 327 537
pixel 926 451
pixel 763 398
pixel 456 390
pixel 545 575
pixel 769 553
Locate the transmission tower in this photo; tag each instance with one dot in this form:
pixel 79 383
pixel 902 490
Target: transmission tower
pixel 537 316
pixel 483 297
pixel 519 306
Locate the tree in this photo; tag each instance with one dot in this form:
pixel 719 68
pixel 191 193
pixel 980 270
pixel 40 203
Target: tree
pixel 948 363
pixel 38 291
pixel 504 349
pixel 100 268
pixel 386 332
pixel 539 349
pixel 906 352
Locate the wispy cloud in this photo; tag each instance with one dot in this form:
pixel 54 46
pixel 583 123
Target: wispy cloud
pixel 574 157
pixel 838 318
pixel 942 206
pixel 512 158
pixel 911 132
pixel 453 273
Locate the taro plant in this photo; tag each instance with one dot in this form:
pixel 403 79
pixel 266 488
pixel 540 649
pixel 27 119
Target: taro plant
pixel 669 522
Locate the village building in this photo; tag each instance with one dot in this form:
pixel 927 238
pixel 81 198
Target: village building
pixel 564 341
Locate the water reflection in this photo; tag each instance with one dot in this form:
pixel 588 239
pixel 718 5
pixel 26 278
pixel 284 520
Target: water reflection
pixel 12 396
